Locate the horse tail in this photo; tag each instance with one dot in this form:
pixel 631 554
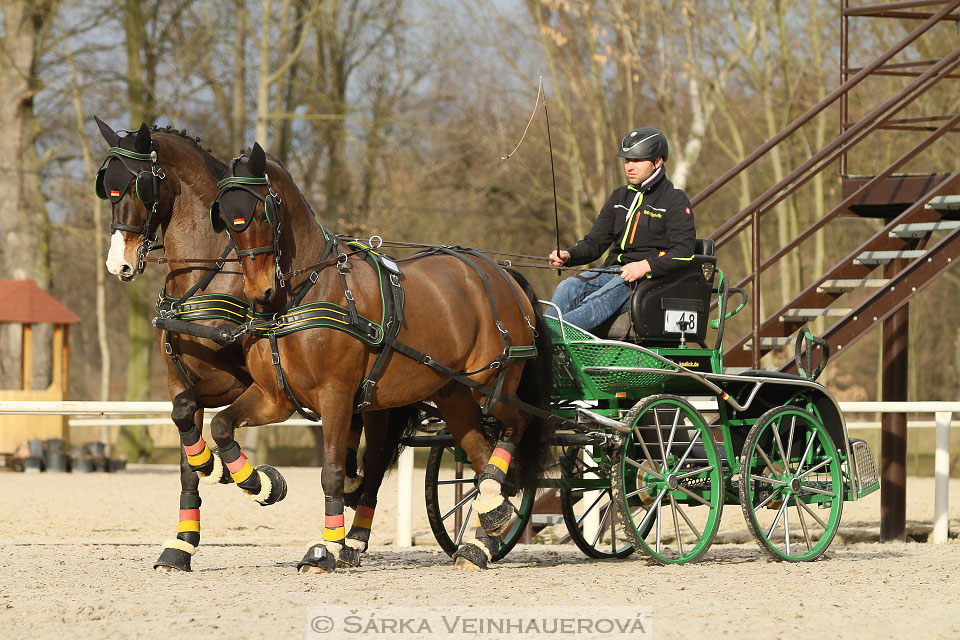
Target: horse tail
pixel 401 422
pixel 535 450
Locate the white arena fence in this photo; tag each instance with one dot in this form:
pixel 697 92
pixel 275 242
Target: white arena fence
pixel 94 415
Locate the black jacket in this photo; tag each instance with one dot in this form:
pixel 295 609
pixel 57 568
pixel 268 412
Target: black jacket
pixel 652 221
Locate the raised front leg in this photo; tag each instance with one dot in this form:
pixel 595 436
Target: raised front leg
pixel 254 407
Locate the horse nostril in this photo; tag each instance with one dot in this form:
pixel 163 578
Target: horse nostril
pixel 126 270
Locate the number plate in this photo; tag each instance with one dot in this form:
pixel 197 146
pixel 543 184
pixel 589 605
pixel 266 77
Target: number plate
pixel 672 319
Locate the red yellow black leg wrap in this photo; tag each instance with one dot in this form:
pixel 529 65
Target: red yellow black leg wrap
pixel 176 553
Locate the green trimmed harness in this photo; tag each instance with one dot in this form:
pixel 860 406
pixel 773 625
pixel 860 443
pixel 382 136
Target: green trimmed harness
pixel 193 307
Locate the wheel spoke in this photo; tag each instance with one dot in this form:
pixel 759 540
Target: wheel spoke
pixel 456 481
pixel 589 509
pixel 462 502
pixel 642 489
pixel 695 496
pixel 464 525
pixel 812 513
pixel 806 452
pixel 786 523
pixel 776 520
pixel 779 483
pixel 803 524
pixel 689 523
pixel 603 523
pixel 646 451
pixel 814 468
pixel 763 455
pixel 693 441
pixel 793 423
pixel 821 492
pixel 656 419
pixel 687 474
pixel 676 524
pixel 765 501
pixel 673 430
pixel 643 523
pixel 775 426
pixel 659 523
pixel 639 465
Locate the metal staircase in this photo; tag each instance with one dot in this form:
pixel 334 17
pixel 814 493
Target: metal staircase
pixel 921 235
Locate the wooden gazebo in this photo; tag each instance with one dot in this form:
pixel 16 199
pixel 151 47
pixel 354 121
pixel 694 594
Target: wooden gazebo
pixel 23 302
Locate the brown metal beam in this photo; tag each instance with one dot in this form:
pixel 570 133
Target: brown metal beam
pixel 893 457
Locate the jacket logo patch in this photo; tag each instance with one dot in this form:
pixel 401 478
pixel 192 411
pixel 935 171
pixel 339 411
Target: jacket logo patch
pixel 688 211
pixel 653 214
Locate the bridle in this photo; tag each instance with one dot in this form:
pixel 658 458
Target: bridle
pixel 146 194
pixel 272 210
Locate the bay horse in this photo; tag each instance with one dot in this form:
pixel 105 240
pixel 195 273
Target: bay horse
pixel 462 333
pixel 161 180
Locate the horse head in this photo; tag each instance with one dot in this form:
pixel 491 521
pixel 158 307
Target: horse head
pixel 249 209
pixel 140 179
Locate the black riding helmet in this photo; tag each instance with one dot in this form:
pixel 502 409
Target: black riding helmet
pixel 645 143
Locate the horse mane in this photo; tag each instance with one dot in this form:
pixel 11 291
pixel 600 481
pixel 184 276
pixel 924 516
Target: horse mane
pixel 275 160
pixel 195 143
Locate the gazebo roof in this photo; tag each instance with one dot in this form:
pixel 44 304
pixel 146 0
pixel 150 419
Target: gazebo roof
pixel 24 302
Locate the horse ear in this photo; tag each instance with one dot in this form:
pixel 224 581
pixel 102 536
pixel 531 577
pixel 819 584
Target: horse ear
pixel 142 143
pixel 107 132
pixel 257 163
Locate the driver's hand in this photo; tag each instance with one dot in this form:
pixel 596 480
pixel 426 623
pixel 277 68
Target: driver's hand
pixel 634 270
pixel 559 258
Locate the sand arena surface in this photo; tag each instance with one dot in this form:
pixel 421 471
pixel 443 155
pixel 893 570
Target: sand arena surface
pixel 76 557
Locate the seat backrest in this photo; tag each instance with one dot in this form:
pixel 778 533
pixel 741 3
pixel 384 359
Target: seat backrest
pixel 704 247
pixel 659 305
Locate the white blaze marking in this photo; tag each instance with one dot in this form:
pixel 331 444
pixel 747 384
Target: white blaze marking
pixel 116 258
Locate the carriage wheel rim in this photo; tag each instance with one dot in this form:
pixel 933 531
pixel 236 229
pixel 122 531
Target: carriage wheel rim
pixel 654 479
pixel 792 501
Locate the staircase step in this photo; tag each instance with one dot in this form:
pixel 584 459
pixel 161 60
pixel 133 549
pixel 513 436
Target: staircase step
pixel 944 203
pixel 771 342
pixel 842 286
pixel 883 257
pixel 921 229
pixel 811 314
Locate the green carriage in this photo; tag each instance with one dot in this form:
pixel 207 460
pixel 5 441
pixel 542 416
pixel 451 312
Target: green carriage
pixel 656 439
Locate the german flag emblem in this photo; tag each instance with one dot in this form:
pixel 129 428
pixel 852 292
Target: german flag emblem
pixel 238 221
pixel 114 193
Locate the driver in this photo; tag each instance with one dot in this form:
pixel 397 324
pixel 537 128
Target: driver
pixel 649 224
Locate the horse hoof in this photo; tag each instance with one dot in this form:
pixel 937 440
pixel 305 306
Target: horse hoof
pixel 496 522
pixel 318 559
pixel 278 486
pixel 349 558
pixel 172 560
pixel 470 557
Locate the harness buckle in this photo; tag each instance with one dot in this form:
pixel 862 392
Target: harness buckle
pixel 349 294
pixel 275 358
pixel 314 277
pixel 168 347
pixel 158 172
pixel 501 328
pixel 377 244
pixel 377 331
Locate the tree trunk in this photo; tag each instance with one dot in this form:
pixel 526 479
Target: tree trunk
pixel 23 216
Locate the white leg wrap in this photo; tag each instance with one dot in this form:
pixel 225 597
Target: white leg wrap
pixel 355 544
pixel 489 498
pixel 214 476
pixel 177 543
pixel 352 484
pixel 265 487
pixel 333 547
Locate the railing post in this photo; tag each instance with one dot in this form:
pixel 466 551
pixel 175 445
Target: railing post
pixel 941 520
pixel 755 223
pixel 405 498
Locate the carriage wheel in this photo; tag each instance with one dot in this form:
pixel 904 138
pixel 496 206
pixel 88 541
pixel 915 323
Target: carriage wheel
pixel 668 480
pixel 591 509
pixel 450 488
pixel 793 496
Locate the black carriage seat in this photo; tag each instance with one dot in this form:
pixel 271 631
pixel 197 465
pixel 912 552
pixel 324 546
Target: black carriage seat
pixel 685 294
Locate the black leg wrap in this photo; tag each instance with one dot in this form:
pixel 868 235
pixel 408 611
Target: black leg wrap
pixel 278 485
pixel 318 557
pixel 497 521
pixel 352 499
pixel 226 478
pixel 472 554
pixel 174 558
pixel 349 558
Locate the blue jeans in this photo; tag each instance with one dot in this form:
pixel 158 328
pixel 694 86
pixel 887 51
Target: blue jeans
pixel 587 303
